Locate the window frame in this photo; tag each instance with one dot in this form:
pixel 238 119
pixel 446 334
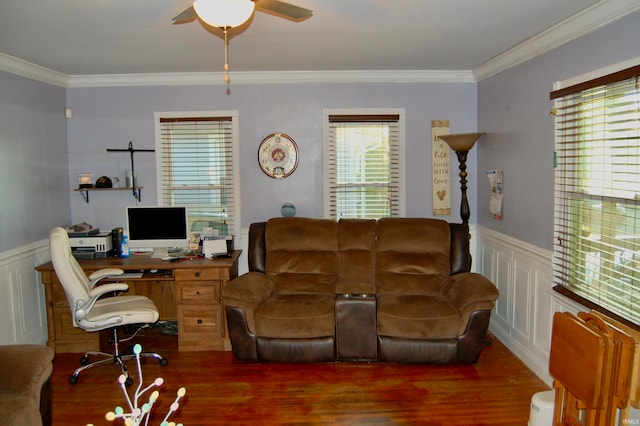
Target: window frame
pixel 326 141
pixel 235 137
pixel 568 217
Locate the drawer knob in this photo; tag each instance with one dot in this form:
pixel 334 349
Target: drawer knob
pixel 197 274
pixel 199 321
pixel 198 292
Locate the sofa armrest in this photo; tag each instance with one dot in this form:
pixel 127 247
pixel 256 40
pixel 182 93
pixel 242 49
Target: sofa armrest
pixel 25 368
pixel 469 288
pixel 470 292
pixel 247 292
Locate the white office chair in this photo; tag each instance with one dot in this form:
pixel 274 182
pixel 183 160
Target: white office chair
pixel 92 313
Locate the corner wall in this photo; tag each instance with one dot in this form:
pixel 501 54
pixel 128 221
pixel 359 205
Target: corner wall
pixel 34 166
pixel 514 109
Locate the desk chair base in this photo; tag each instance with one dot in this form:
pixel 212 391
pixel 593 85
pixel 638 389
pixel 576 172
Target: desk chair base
pixel 115 357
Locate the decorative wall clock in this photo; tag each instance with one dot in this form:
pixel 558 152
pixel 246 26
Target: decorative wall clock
pixel 278 155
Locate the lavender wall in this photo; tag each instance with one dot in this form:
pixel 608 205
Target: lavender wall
pixel 34 169
pixel 513 108
pixel 111 117
pixel 42 153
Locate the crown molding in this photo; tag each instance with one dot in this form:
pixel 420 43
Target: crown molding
pixel 600 14
pixel 270 77
pixel 592 18
pixel 35 72
pixel 32 71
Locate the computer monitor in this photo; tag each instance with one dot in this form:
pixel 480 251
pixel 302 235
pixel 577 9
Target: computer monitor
pixel 158 228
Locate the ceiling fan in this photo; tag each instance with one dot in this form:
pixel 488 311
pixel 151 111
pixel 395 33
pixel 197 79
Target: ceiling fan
pixel 275 7
pixel 225 14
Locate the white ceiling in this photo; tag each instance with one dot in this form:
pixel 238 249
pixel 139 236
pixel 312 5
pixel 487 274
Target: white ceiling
pixel 86 37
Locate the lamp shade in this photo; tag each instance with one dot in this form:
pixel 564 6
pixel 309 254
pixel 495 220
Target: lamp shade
pixel 461 141
pixel 224 13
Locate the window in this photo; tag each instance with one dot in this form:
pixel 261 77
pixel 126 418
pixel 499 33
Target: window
pixel 597 192
pixel 363 163
pixel 196 167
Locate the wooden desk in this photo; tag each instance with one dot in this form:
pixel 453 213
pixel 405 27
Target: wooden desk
pixel 189 291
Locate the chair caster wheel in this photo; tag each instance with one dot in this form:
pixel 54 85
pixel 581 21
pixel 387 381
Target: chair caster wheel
pixel 84 360
pixel 164 362
pixel 128 382
pixel 73 380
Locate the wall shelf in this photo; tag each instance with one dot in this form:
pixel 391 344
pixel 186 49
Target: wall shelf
pixel 136 191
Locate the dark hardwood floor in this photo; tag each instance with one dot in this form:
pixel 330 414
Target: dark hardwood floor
pixel 223 391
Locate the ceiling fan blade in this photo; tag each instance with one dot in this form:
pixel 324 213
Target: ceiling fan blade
pixel 283 10
pixel 186 15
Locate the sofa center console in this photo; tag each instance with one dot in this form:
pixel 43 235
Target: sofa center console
pixel 353 342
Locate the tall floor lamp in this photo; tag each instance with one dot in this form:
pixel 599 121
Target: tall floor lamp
pixel 462 143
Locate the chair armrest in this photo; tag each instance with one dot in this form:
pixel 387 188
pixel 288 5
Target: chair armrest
pixel 247 292
pixel 469 288
pixel 104 273
pixel 96 292
pixel 82 309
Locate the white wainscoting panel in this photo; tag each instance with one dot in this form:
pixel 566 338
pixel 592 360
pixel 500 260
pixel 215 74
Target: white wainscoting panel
pixel 524 311
pixel 22 304
pixel 523 316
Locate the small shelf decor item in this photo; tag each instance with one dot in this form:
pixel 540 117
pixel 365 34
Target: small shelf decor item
pixel 85 180
pixel 462 143
pixel 139 414
pixel 104 182
pixel 278 155
pixel 288 210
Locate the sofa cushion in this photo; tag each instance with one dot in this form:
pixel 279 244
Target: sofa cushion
pixel 417 317
pixel 302 255
pixel 296 316
pixel 413 256
pixel 356 258
pixel 19 410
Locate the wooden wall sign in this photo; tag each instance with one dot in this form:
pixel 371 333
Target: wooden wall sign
pixel 440 166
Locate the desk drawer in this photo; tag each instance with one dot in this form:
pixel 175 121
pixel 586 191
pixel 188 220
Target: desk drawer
pixel 204 274
pixel 203 321
pixel 198 292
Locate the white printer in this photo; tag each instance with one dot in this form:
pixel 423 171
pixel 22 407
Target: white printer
pixel 92 246
pixel 217 246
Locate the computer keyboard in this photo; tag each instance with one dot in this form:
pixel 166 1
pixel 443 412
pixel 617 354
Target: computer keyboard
pixel 130 275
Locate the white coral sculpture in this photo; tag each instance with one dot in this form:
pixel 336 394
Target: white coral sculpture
pixel 139 415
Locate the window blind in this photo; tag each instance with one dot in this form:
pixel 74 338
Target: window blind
pixel 597 192
pixel 196 169
pixel 364 166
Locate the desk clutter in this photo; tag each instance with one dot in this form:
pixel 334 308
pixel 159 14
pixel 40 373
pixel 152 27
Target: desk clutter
pixel 87 242
pixel 595 363
pixel 217 246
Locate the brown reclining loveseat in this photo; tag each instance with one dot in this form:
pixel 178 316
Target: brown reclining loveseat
pixel 393 289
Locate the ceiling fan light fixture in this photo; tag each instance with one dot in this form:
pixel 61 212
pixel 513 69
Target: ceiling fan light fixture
pixel 224 13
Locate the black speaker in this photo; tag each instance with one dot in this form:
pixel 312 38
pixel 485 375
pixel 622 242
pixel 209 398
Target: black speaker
pixel 116 240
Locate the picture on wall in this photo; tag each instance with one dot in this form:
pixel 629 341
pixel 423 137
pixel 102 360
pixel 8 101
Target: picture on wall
pixel 440 158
